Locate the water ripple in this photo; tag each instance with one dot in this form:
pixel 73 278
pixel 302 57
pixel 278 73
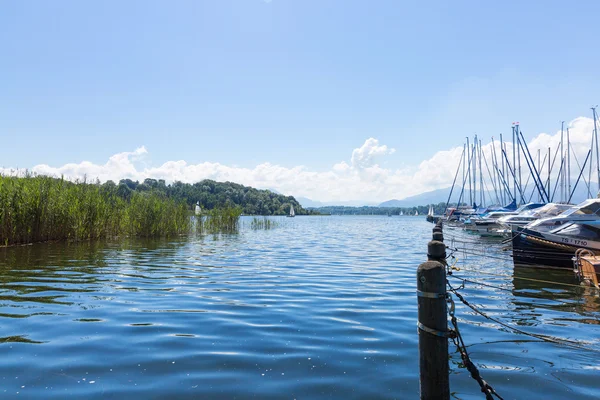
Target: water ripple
pixel 319 307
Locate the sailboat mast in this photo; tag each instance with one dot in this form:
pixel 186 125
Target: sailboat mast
pixel 464 163
pixel 482 194
pixel 569 162
pixel 548 191
pixel 495 169
pixel 514 154
pixel 491 175
pixel 597 155
pixel 454 182
pixel 512 196
pixel 469 173
pixel 502 162
pixel 519 160
pixel 562 157
pixel 539 169
pixel 590 169
pixel 475 169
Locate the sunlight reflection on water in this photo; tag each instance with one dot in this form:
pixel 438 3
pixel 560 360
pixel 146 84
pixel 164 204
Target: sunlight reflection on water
pixel 318 307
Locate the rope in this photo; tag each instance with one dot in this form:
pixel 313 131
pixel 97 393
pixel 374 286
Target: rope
pixel 522 278
pixel 475 252
pixel 552 244
pixel 451 255
pixel 482 283
pixel 457 338
pixel 545 338
pixel 486 388
pixel 566 303
pixel 507 240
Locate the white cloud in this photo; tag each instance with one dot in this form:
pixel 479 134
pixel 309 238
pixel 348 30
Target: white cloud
pixel 366 155
pixel 360 179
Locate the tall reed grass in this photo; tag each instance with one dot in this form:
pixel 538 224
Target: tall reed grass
pixel 40 208
pixel 263 223
pixel 220 220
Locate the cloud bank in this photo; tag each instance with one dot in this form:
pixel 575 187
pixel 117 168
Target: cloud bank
pixel 361 178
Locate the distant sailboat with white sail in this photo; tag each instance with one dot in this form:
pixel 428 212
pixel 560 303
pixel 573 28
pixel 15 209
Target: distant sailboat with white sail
pixel 197 210
pixel 401 213
pixel 292 213
pixel 416 213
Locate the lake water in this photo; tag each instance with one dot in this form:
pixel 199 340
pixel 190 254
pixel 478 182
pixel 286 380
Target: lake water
pixel 317 308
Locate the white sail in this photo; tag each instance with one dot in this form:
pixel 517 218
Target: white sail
pixel 197 210
pixel 401 212
pixel 292 213
pixel 416 213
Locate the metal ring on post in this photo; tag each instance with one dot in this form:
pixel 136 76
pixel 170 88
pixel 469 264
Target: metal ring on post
pixel 431 295
pixel 447 334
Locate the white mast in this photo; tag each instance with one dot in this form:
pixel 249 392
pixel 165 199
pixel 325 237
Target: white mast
pixel 514 156
pixel 539 159
pixel 482 194
pixel 469 154
pixel 475 170
pixel 568 162
pixel 596 137
pixel 562 159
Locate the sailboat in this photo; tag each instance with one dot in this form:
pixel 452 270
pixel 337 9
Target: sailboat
pixel 292 213
pixel 401 212
pixel 416 213
pixel 197 210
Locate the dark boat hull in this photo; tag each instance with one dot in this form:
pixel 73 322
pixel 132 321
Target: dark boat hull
pixel 531 248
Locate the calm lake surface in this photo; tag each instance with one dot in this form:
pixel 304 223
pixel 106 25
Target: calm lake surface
pixel 319 307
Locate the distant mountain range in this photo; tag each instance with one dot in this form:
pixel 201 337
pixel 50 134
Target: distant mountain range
pixel 441 195
pixel 306 203
pixel 433 197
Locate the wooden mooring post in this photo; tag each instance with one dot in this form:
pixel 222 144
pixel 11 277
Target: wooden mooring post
pixel 433 321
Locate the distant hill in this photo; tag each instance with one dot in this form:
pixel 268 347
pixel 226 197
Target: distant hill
pixel 433 197
pixel 441 196
pixel 306 202
pixel 309 203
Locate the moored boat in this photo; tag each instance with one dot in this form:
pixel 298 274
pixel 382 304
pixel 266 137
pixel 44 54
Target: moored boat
pixel 587 267
pixel 557 247
pixel 587 211
pixel 488 224
pixel 509 222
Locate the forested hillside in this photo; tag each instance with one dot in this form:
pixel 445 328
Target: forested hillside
pixel 213 194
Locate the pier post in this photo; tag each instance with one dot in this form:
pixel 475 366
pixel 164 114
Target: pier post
pixel 433 323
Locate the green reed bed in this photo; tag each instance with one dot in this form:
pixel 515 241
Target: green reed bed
pixel 219 220
pixel 40 208
pixel 263 223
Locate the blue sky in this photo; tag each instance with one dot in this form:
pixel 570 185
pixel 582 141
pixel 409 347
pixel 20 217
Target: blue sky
pixel 289 82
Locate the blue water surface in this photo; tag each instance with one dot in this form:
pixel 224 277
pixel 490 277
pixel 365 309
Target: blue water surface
pixel 316 308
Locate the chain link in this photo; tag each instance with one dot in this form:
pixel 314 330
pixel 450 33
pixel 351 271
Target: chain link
pixel 487 389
